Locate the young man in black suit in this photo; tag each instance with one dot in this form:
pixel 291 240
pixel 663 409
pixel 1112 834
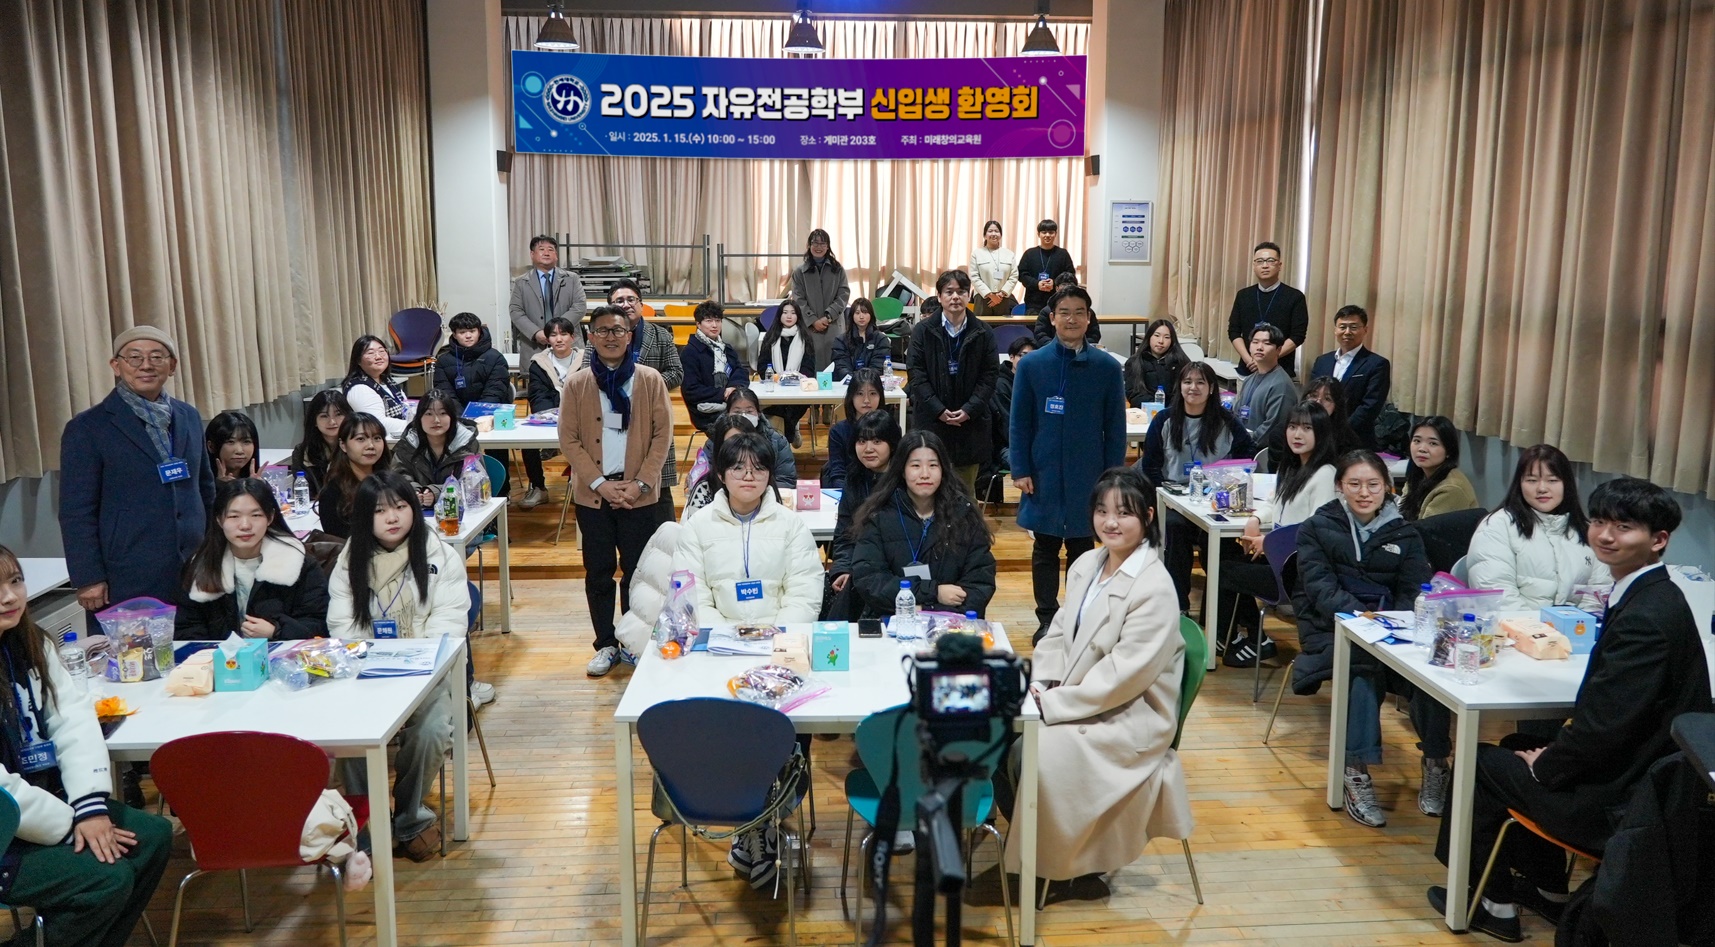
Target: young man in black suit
pixel 1647 668
pixel 1364 376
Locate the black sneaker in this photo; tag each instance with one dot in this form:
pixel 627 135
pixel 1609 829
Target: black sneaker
pixel 1242 652
pixel 1500 928
pixel 1526 896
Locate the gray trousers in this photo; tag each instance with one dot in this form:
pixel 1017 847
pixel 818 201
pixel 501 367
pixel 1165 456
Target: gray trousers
pixel 423 745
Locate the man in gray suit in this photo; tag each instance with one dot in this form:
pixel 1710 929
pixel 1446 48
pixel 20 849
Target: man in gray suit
pixel 544 291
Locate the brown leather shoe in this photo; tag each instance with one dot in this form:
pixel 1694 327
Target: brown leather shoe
pixel 425 846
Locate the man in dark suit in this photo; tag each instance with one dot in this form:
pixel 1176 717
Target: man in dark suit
pixel 1646 668
pixel 1364 376
pixel 135 482
pixel 542 292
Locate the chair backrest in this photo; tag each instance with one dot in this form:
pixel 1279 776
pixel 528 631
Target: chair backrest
pixel 887 741
pixel 649 311
pixel 1192 350
pixel 1278 547
pixel 1020 309
pixel 680 310
pixel 1004 336
pixel 887 308
pixel 9 817
pixel 1447 536
pixel 716 758
pixel 242 796
pixel 766 317
pixel 1196 668
pixel 497 474
pixel 416 330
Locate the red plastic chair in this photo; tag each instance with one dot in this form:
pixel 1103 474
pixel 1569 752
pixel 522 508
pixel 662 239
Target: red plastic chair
pixel 243 798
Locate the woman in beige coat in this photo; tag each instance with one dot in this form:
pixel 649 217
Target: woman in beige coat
pixel 1107 678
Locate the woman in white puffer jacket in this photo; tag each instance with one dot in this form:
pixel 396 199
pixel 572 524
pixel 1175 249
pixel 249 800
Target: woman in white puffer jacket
pixel 1533 548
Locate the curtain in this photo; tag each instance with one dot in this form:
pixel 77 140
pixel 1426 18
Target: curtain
pixel 212 169
pixel 1233 113
pixel 920 217
pixel 1520 192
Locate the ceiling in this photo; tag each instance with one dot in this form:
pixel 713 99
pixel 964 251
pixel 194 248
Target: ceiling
pixel 891 9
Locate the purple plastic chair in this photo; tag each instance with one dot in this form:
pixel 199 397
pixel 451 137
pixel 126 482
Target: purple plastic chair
pixel 416 334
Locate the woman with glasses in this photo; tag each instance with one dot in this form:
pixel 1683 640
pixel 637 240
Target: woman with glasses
pixel 819 285
pixel 994 275
pixel 744 403
pixel 369 386
pixel 921 526
pixel 754 559
pixel 251 575
pixel 1355 554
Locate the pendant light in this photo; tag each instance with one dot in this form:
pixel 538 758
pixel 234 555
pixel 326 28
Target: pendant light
pixel 556 34
pixel 1040 42
pixel 803 39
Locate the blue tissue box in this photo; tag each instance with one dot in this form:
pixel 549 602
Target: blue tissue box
pixel 244 671
pixel 831 646
pixel 1579 627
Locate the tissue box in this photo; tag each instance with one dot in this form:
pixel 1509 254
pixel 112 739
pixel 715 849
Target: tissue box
pixel 1535 639
pixel 506 418
pixel 807 384
pixel 244 670
pixel 831 647
pixel 792 650
pixel 825 380
pixel 809 495
pixel 1579 627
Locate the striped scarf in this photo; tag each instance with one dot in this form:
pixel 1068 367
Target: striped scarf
pixel 157 418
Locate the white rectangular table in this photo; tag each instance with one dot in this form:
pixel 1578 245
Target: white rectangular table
pixel 42 576
pixel 1514 687
pixel 471 525
pixel 348 719
pixel 272 456
pixel 875 682
pixel 776 395
pixel 1196 509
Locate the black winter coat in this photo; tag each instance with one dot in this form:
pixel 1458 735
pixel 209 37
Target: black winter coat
pixel 425 470
pixel 289 591
pixel 934 387
pixel 1144 373
pixel 859 483
pixel 1332 578
pixel 483 371
pixel 882 551
pixel 851 355
pixel 702 385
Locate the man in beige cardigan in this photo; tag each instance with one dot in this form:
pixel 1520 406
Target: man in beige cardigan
pixel 614 429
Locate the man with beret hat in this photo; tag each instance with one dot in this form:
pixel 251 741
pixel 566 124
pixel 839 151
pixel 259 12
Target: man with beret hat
pixel 135 482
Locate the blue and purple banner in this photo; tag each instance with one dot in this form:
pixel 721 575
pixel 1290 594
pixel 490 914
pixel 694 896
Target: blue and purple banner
pixel 692 107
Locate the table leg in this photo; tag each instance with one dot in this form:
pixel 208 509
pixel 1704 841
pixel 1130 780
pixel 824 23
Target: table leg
pixel 505 541
pixel 1459 834
pixel 904 415
pixel 627 835
pixel 1026 816
pixel 461 757
pixel 381 844
pixel 1212 591
pixel 1337 719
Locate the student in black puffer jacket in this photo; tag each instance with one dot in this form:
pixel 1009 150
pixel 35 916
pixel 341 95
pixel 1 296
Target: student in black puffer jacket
pixel 1358 553
pixel 921 525
pixel 250 575
pixel 469 368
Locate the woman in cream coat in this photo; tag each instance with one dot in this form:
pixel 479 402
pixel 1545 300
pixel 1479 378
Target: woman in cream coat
pixel 994 275
pixel 1107 678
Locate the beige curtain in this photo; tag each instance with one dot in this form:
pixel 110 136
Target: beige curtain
pixel 1521 193
pixel 918 217
pixel 1233 108
pixel 159 164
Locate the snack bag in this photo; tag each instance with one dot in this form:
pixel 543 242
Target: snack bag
pixel 772 685
pixel 676 626
pixel 311 662
pixel 133 626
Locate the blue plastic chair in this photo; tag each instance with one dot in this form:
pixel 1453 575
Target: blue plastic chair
pixel 716 763
pixel 1280 548
pixel 9 817
pixel 1020 310
pixel 497 482
pixel 416 334
pixel 1005 335
pixel 766 317
pixel 888 744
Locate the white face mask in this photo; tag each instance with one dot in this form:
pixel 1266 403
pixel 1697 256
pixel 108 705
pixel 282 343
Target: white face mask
pixel 744 414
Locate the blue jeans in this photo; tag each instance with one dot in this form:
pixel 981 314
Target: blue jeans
pixel 1429 718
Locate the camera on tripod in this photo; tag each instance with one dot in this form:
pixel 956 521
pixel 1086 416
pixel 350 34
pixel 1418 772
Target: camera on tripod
pixel 958 692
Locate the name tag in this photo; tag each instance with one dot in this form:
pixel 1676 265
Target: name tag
pixel 917 570
pixel 952 367
pixel 611 420
pixel 458 381
pixel 36 757
pixel 1055 405
pixel 749 590
pixel 386 628
pixel 174 470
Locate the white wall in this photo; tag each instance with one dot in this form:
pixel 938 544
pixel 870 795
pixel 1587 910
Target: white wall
pixel 1124 127
pixel 468 108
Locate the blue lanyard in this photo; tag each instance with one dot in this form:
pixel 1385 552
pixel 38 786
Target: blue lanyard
pixel 1264 309
pixel 922 539
pixel 30 701
pixel 404 580
pixel 744 528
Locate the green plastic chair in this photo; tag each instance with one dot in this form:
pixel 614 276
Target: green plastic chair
pixel 886 741
pixel 1190 682
pixel 887 309
pixel 9 817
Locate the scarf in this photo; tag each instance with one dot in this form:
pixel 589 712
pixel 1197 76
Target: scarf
pixel 788 359
pixel 612 382
pixel 391 586
pixel 157 418
pixel 562 369
pixel 716 347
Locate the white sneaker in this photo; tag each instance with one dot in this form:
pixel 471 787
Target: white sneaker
pixel 1361 802
pixel 603 662
pixel 904 842
pixel 533 498
pixel 481 693
pixel 1432 796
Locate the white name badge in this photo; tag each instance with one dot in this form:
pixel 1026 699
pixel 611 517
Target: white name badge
pixel 917 570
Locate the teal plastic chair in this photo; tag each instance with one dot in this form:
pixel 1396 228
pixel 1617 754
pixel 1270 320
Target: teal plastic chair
pixel 887 741
pixel 887 309
pixel 1190 682
pixel 9 817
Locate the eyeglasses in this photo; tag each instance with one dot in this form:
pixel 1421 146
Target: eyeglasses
pixel 611 332
pixel 749 472
pixel 1262 260
pixel 154 359
pixel 1374 486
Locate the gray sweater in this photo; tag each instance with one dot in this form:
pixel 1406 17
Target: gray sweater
pixel 1269 398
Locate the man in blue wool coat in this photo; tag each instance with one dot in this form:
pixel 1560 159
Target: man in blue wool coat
pixel 1068 425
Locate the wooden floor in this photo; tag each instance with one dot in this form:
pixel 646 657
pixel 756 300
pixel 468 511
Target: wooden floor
pixel 1277 867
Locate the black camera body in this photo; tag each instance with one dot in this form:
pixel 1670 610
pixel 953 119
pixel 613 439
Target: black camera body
pixel 960 690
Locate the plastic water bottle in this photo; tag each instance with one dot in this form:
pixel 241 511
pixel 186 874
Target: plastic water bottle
pixel 1423 622
pixel 887 367
pixel 904 623
pixel 1467 655
pixel 978 626
pixel 76 663
pixel 1199 481
pixel 1161 396
pixel 300 494
pixel 1245 416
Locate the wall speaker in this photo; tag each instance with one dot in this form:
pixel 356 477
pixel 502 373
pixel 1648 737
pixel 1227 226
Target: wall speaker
pixel 503 161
